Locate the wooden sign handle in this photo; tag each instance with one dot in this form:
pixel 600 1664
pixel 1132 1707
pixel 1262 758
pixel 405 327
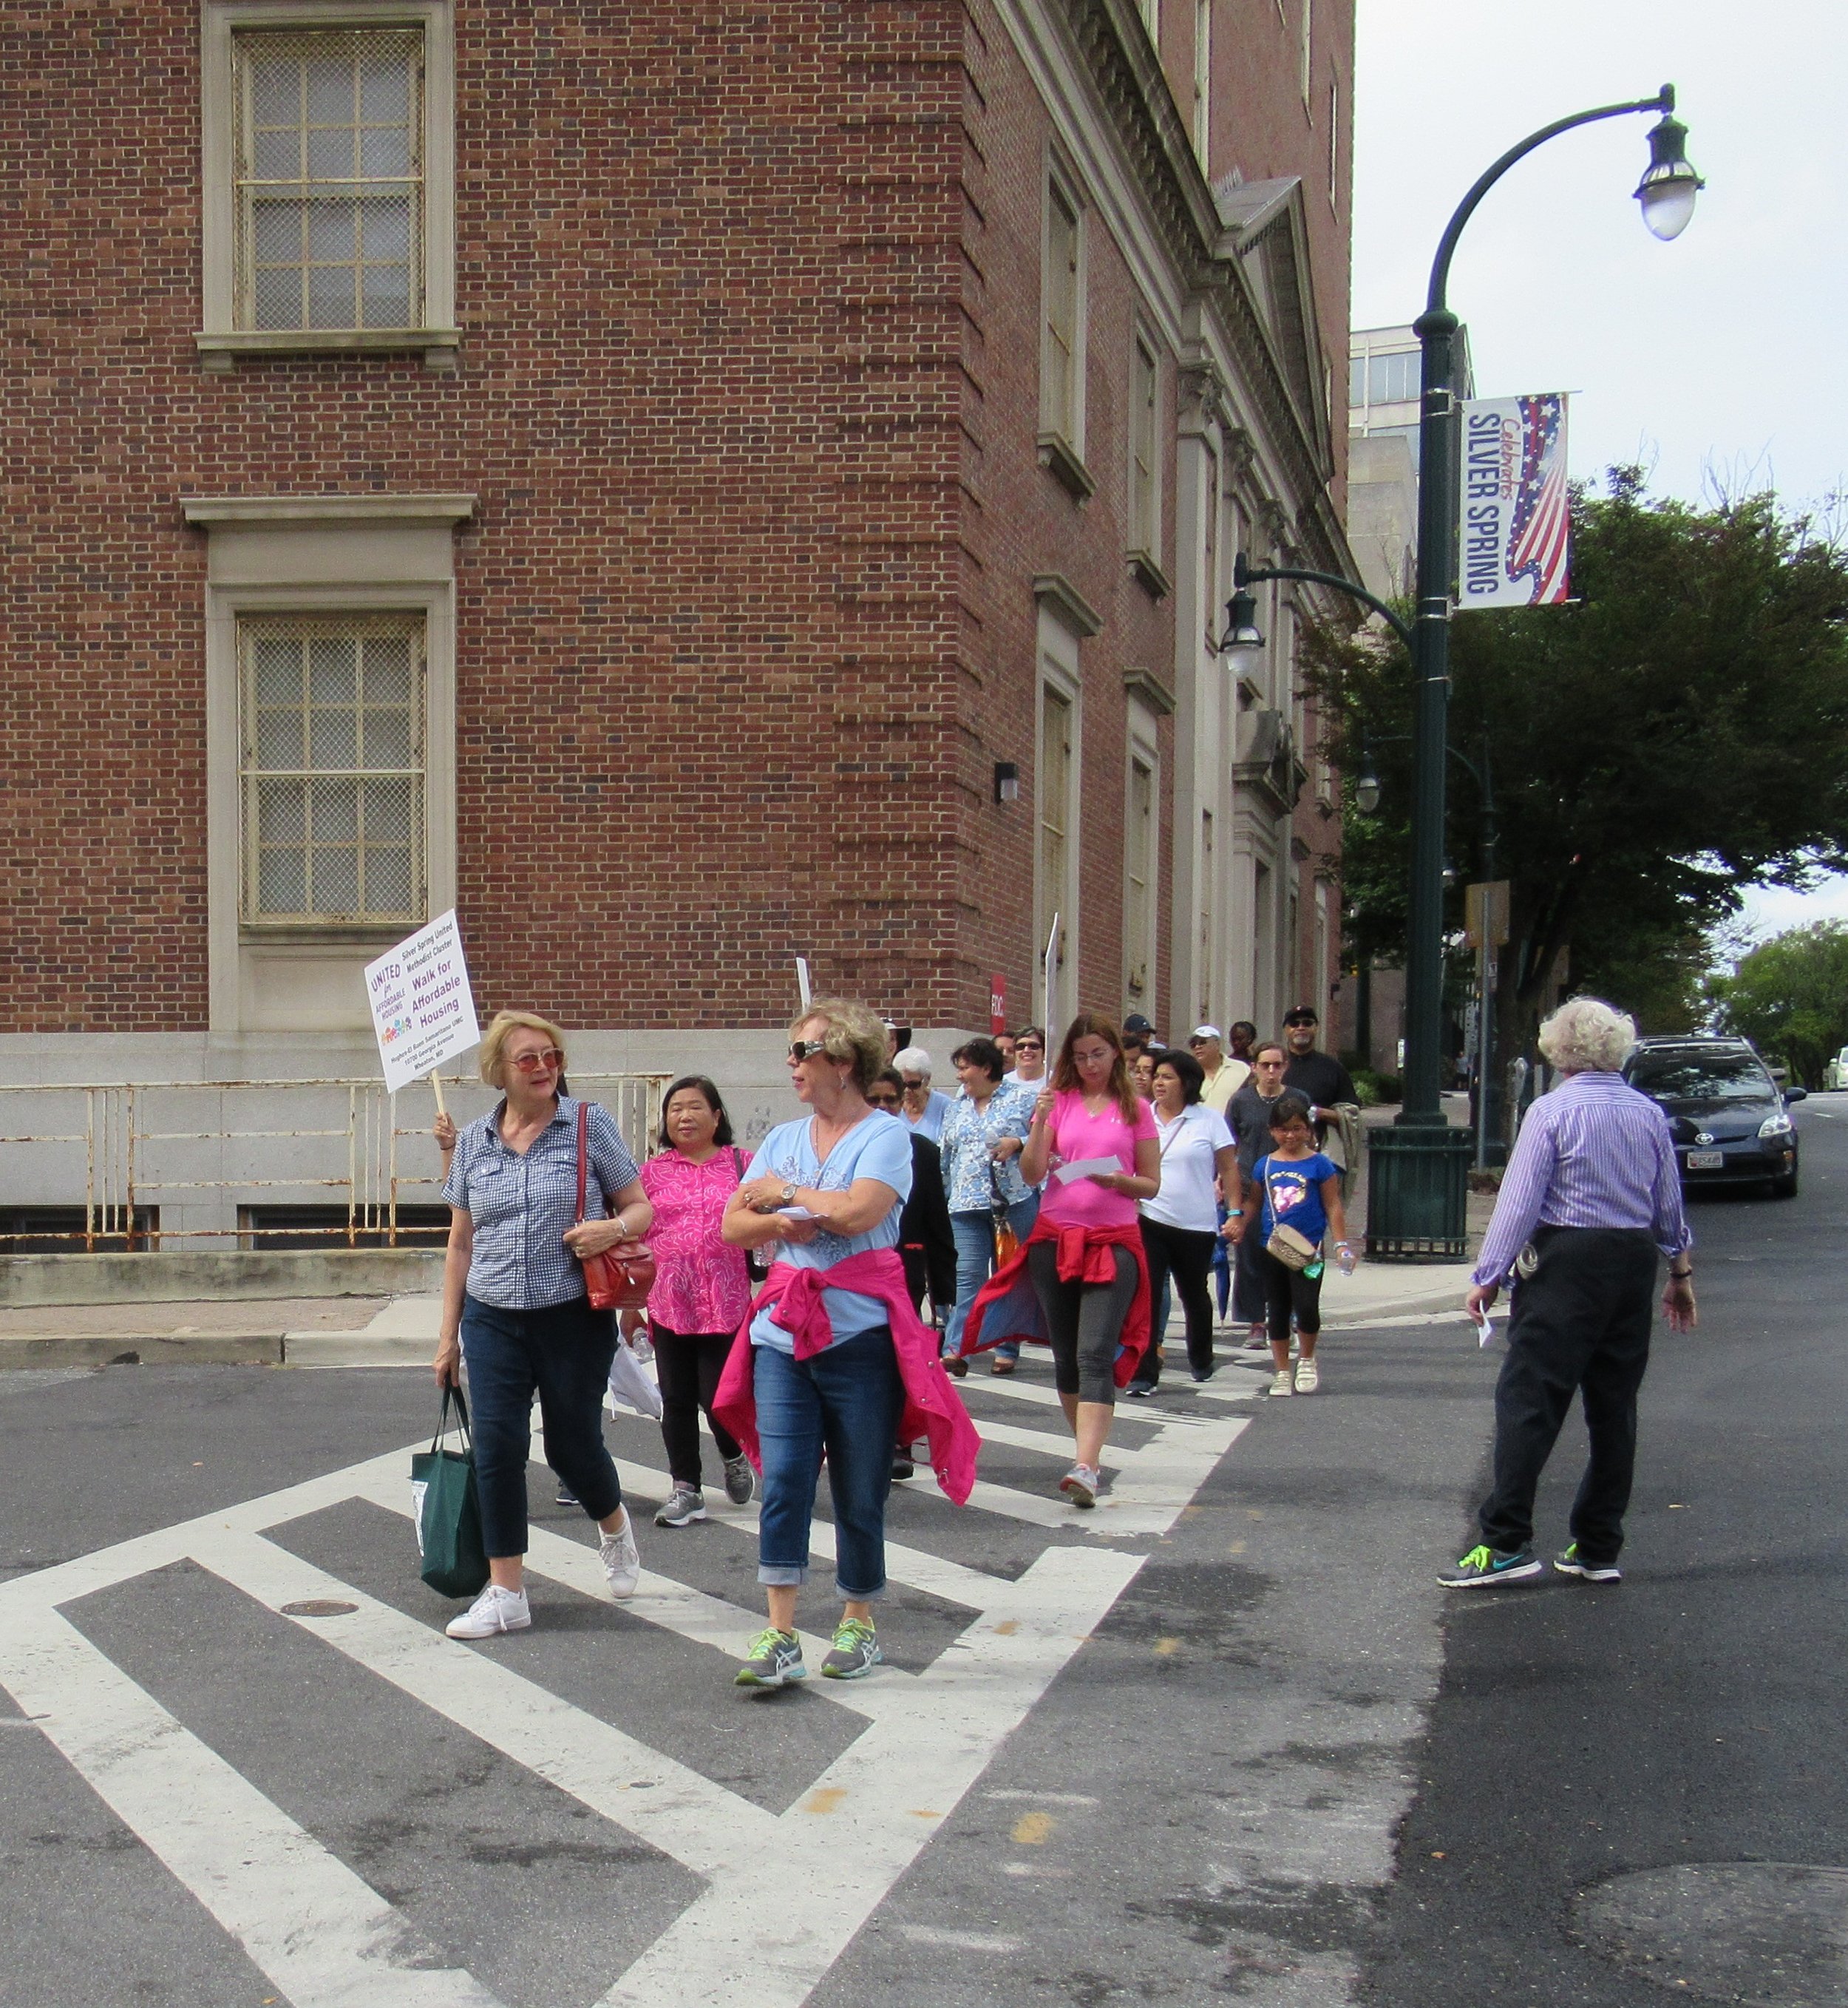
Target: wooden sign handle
pixel 436 1089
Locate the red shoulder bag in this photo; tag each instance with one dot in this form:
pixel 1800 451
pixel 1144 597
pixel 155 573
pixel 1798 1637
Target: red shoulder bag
pixel 614 1282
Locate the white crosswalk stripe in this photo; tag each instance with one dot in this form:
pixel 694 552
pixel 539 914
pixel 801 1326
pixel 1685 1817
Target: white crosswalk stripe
pixel 781 1895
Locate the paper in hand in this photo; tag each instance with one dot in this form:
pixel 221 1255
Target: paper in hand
pixel 1082 1167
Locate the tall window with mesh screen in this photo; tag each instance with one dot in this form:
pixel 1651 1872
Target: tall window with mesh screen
pixel 333 780
pixel 329 178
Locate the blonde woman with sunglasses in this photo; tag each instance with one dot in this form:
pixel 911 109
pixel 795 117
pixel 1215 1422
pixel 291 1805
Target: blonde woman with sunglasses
pixel 515 1311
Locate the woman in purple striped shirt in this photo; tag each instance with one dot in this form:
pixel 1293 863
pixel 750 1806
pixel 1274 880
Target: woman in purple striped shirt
pixel 1591 1195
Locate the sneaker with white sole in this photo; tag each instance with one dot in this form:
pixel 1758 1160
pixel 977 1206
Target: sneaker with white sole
pixel 684 1505
pixel 856 1651
pixel 1484 1564
pixel 494 1611
pixel 621 1559
pixel 1258 1339
pixel 1570 1562
pixel 1282 1382
pixel 774 1660
pixel 740 1480
pixel 1082 1484
pixel 1309 1377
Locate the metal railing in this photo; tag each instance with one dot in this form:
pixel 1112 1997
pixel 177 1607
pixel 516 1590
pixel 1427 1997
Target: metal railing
pixel 131 1144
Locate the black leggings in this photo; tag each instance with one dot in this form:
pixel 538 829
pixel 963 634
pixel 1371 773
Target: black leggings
pixel 1187 1254
pixel 1287 1290
pixel 688 1366
pixel 1084 1321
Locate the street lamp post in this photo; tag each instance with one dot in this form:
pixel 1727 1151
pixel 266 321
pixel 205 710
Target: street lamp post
pixel 1417 1193
pixel 1423 1202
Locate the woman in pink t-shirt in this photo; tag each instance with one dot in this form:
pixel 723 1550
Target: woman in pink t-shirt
pixel 701 1289
pixel 1090 1114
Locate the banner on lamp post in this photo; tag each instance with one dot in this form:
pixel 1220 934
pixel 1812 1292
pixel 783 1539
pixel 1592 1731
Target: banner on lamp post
pixel 998 1005
pixel 1514 516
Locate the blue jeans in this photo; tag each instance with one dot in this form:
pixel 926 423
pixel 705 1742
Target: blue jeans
pixel 846 1401
pixel 563 1352
pixel 975 1258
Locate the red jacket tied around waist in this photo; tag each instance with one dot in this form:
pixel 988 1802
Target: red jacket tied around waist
pixel 1009 1306
pixel 933 1408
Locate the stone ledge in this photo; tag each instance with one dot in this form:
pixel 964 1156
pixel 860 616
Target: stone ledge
pixel 227 1274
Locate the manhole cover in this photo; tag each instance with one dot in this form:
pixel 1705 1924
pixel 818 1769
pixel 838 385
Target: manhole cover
pixel 1758 1933
pixel 319 1606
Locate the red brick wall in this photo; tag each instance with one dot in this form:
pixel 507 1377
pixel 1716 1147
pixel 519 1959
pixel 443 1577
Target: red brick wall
pixel 1020 523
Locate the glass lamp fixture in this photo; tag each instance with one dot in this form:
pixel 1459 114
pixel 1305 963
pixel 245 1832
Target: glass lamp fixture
pixel 1667 189
pixel 1244 641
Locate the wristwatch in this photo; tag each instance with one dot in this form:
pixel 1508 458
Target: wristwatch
pixel 787 1195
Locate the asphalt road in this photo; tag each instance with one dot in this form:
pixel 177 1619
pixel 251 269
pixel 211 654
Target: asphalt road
pixel 1232 1744
pixel 1691 1716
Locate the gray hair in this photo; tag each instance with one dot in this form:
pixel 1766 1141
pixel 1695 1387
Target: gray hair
pixel 1585 1035
pixel 913 1059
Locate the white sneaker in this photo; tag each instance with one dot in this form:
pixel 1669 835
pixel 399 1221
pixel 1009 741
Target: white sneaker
pixel 622 1559
pixel 494 1611
pixel 1082 1484
pixel 1309 1377
pixel 1281 1383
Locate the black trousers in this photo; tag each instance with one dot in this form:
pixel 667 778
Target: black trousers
pixel 1289 1292
pixel 1580 1324
pixel 688 1365
pixel 1187 1254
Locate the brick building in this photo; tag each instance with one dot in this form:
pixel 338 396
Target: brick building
pixel 642 474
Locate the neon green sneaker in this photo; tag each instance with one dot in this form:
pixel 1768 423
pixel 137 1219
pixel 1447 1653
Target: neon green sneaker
pixel 1572 1563
pixel 1487 1564
pixel 856 1651
pixel 774 1660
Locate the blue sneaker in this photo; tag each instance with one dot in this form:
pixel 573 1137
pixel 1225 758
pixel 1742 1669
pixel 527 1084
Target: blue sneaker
pixel 1570 1562
pixel 1485 1564
pixel 774 1660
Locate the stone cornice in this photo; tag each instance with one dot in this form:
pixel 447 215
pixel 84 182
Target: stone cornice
pixel 274 509
pixel 1129 79
pixel 1077 612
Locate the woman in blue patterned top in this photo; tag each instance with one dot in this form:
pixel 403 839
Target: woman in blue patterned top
pixel 984 1134
pixel 515 1306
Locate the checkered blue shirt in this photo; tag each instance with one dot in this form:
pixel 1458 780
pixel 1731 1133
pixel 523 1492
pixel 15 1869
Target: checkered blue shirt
pixel 521 1206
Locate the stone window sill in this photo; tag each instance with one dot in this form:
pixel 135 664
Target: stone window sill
pixel 1061 458
pixel 219 351
pixel 1149 576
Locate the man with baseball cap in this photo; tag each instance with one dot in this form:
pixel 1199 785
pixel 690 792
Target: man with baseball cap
pixel 1224 1077
pixel 1139 1036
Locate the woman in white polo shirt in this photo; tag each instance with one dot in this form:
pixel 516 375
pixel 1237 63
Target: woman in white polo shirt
pixel 1180 1225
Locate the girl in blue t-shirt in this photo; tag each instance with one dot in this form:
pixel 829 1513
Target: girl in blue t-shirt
pixel 1298 1187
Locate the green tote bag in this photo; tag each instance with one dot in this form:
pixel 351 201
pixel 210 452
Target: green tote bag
pixel 447 1509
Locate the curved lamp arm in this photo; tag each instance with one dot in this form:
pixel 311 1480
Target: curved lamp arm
pixel 1244 574
pixel 1663 101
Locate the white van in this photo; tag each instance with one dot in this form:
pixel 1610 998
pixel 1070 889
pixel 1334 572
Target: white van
pixel 1835 1074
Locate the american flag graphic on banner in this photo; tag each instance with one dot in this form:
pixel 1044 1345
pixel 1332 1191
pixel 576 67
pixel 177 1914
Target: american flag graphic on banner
pixel 1514 524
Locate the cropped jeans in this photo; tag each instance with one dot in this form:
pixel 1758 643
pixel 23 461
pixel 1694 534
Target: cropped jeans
pixel 845 1402
pixel 975 1258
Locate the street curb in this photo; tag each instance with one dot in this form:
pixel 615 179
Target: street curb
pixel 118 1349
pixel 1449 1298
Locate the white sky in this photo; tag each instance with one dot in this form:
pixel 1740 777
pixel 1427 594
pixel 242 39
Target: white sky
pixel 1722 350
pixel 1719 357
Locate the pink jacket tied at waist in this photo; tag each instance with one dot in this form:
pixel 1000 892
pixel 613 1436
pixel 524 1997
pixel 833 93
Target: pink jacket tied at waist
pixel 933 1408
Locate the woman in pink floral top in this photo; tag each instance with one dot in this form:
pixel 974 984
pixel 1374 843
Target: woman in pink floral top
pixel 702 1289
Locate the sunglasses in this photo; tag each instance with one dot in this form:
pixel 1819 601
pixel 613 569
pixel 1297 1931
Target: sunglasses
pixel 887 1100
pixel 1028 1046
pixel 803 1049
pixel 548 1058
pixel 1294 1022
pixel 909 1083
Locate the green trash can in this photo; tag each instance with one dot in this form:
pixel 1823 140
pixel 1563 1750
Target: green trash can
pixel 1417 1193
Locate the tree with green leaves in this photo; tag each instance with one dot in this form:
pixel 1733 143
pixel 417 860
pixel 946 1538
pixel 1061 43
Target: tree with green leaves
pixel 1677 732
pixel 1789 997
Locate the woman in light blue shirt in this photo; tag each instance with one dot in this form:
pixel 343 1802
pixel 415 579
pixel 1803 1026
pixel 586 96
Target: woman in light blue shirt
pixel 984 1134
pixel 819 1193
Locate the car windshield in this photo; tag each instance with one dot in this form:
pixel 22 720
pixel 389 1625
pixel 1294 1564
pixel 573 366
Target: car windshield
pixel 1702 1079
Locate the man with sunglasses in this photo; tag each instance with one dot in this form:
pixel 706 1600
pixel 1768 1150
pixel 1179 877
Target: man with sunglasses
pixel 1250 1116
pixel 1319 1078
